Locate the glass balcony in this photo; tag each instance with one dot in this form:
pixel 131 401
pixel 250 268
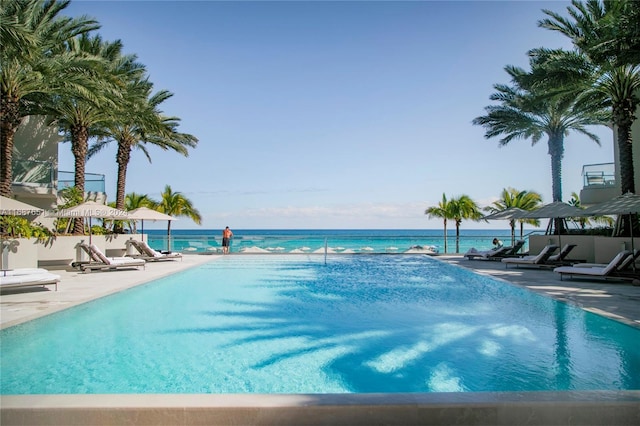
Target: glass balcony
pixel 93 182
pixel 598 175
pixel 33 173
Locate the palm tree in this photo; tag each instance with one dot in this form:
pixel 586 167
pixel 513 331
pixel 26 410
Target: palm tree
pixel 461 208
pixel 595 28
pixel 79 116
pixel 70 196
pixel 137 123
pixel 614 37
pixel 33 65
pixel 176 204
pixel 525 200
pixel 527 111
pixel 444 211
pixel 583 221
pixel 133 201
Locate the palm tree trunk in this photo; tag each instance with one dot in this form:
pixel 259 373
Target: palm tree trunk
pixel 457 237
pixel 122 158
pixel 521 230
pixel 445 236
pixel 512 223
pixel 79 142
pixel 556 151
pixel 9 122
pixel 168 235
pixel 623 118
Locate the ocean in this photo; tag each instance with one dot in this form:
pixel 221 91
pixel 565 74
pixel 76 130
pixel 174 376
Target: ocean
pixel 338 240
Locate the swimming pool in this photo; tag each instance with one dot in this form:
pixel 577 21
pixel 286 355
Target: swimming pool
pixel 291 324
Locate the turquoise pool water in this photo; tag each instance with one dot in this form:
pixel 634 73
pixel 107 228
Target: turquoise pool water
pixel 291 324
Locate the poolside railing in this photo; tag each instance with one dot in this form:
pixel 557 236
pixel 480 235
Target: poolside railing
pixel 209 244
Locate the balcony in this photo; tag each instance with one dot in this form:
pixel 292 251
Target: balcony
pixel 599 183
pixel 33 177
pixel 93 182
pixel 599 175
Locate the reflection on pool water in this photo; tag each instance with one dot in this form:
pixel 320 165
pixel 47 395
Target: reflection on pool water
pixel 293 324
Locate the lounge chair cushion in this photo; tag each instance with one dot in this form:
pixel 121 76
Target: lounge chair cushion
pixel 148 253
pixel 23 271
pixel 602 271
pixel 115 261
pixel 538 259
pixel 29 280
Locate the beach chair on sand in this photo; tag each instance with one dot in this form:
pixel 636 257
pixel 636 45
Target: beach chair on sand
pixel 147 253
pixel 534 260
pixel 27 277
pixel 616 269
pixel 103 263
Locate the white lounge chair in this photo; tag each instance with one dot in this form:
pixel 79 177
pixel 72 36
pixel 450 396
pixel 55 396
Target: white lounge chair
pixel 23 279
pixel 104 263
pixel 624 265
pixel 534 260
pixel 486 254
pixel 151 255
pixel 621 261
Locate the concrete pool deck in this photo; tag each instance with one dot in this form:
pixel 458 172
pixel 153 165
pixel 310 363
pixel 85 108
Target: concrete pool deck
pixel 619 301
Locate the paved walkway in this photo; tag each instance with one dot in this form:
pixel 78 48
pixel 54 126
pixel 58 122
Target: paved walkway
pixel 620 301
pixel 613 299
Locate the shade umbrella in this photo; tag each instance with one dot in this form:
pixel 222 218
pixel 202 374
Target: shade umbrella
pixel 145 213
pixel 91 209
pixel 626 204
pixel 622 204
pixel 510 213
pixel 555 210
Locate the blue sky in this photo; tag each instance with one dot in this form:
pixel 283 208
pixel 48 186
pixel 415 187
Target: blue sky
pixel 334 114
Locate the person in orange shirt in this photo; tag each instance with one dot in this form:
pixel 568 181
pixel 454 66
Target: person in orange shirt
pixel 226 240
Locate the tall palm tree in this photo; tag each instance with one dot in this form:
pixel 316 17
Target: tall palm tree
pixel 79 116
pixel 33 65
pixel 138 123
pixel 176 204
pixel 529 110
pixel 525 200
pixel 444 211
pixel 594 28
pixel 462 208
